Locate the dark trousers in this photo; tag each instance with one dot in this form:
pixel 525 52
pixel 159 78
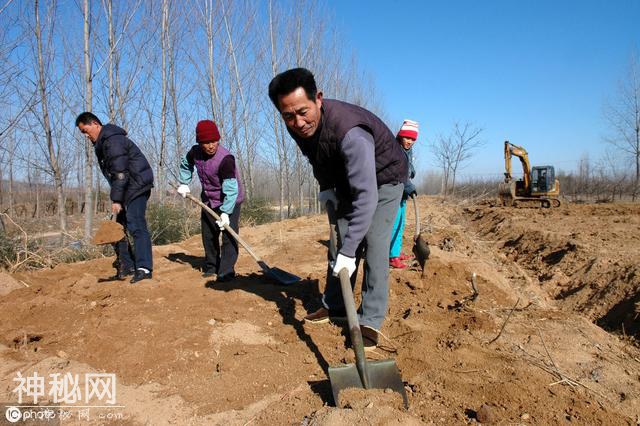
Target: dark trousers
pixel 132 217
pixel 221 262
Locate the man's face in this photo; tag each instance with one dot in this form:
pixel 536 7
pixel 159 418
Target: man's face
pixel 209 148
pixel 91 130
pixel 406 142
pixel 299 113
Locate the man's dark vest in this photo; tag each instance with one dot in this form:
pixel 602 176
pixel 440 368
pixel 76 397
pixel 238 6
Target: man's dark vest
pixel 323 150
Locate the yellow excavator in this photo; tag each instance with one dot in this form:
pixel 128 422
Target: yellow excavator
pixel 538 187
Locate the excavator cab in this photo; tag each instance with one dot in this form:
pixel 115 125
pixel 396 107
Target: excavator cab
pixel 543 179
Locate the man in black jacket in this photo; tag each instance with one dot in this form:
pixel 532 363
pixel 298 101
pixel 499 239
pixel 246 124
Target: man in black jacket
pixel 131 179
pixel 360 168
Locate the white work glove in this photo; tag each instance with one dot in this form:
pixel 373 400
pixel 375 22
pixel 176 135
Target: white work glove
pixel 184 190
pixel 328 195
pixel 343 261
pixel 224 220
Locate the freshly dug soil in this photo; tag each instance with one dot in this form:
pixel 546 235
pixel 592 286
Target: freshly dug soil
pixel 548 339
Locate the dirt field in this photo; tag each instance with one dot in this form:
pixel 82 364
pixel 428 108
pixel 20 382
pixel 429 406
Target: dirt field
pixel 549 339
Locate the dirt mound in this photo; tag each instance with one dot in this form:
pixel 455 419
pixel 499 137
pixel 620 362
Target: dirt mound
pixel 586 257
pixel 517 344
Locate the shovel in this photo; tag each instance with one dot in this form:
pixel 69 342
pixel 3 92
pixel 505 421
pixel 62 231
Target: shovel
pixel 283 277
pixel 364 374
pixel 109 232
pixel 420 247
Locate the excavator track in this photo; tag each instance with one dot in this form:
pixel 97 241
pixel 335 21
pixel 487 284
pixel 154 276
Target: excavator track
pixel 532 202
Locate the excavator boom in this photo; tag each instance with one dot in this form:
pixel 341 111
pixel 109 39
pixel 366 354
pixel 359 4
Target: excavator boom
pixel 517 151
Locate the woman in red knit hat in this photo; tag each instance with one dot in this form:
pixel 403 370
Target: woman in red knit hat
pixel 407 136
pixel 222 191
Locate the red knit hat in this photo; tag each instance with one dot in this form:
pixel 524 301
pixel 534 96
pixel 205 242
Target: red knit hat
pixel 207 131
pixel 409 129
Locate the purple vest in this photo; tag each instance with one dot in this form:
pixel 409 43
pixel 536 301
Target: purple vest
pixel 207 168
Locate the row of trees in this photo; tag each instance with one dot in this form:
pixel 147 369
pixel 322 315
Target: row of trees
pixel 155 68
pixel 607 179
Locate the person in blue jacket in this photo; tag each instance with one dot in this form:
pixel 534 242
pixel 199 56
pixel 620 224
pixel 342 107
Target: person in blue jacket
pixel 130 176
pixel 406 137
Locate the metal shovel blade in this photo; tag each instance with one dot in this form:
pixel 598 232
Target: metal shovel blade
pixel 282 277
pixel 382 375
pixel 421 251
pixel 363 374
pixel 420 247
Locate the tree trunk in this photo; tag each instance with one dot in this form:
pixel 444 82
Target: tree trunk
pixel 11 202
pixel 163 116
pixel 88 146
pixel 53 155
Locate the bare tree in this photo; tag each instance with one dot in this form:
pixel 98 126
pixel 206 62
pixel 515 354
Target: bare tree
pixel 453 150
pixel 163 112
pixel 465 139
pixel 623 116
pixel 88 106
pixel 46 124
pixel 444 153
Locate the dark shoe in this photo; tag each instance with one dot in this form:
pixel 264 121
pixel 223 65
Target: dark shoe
pixel 369 338
pixel 140 275
pixel 210 274
pixel 120 275
pixel 323 315
pixel 226 277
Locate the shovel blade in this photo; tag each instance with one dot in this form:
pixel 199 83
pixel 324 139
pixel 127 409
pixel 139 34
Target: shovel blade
pixel 421 251
pixel 282 277
pixel 382 375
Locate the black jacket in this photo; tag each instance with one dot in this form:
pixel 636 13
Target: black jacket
pixel 123 164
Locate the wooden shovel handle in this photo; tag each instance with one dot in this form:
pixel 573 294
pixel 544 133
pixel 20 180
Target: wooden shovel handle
pixel 226 227
pixel 417 215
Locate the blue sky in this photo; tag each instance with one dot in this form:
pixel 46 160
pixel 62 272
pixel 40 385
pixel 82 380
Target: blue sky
pixel 534 72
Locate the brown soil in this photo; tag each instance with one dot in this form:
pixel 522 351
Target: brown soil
pixel 108 232
pixel 549 339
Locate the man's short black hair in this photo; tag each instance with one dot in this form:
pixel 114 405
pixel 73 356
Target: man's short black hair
pixel 87 118
pixel 288 81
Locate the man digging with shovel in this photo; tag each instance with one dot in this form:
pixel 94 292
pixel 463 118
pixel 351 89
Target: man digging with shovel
pixel 360 168
pixel 130 176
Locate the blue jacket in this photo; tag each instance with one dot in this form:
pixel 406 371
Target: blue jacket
pixel 123 164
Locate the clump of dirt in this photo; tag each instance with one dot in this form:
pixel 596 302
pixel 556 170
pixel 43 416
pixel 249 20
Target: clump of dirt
pixel 374 415
pixel 109 232
pixel 368 398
